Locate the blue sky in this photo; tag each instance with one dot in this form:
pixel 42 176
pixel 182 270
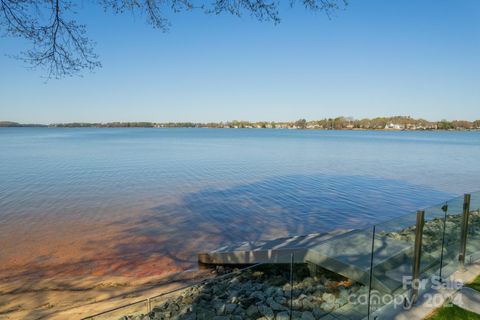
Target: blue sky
pixel 375 58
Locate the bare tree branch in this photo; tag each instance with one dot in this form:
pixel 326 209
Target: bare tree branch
pixel 60 44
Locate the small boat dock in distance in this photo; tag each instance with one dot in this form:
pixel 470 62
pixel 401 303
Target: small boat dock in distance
pixel 345 252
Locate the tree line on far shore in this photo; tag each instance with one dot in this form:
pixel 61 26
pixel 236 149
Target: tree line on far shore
pixel 339 123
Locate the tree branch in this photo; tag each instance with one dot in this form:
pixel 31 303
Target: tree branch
pixel 60 44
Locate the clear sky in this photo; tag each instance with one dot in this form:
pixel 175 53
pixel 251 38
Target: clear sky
pixel 376 58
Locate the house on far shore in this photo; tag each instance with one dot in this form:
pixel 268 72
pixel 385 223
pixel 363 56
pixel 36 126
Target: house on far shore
pixel 410 126
pixel 393 126
pixel 349 126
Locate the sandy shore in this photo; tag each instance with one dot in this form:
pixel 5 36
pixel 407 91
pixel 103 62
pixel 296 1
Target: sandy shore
pixel 77 297
pixel 73 269
pixel 77 269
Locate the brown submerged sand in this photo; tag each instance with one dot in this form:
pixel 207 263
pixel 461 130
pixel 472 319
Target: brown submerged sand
pixel 64 271
pixel 67 267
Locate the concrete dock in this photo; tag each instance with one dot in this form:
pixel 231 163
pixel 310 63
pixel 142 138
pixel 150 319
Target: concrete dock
pixel 345 252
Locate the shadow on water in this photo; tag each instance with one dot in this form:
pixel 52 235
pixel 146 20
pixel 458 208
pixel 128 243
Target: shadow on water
pixel 268 209
pixel 272 208
pixel 168 237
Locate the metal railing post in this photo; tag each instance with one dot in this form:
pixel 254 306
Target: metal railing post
pixel 445 210
pixel 463 235
pixel 291 285
pixel 371 274
pixel 417 255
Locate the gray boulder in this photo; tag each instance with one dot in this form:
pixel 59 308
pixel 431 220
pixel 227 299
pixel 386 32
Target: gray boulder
pixel 307 315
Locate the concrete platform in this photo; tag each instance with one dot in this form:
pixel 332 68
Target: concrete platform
pixel 271 251
pixel 468 299
pixel 345 252
pixel 350 256
pixel 431 299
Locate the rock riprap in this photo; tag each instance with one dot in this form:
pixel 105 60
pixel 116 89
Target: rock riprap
pixel 433 232
pixel 259 293
pixel 265 293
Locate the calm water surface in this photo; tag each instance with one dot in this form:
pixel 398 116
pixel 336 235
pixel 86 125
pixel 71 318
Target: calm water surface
pixel 104 200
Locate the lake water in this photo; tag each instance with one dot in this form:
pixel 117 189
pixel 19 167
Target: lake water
pixel 147 200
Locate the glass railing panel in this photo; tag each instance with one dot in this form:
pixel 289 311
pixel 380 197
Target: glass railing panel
pixel 261 290
pixel 473 236
pixel 271 284
pixel 312 295
pixel 134 309
pixel 475 201
pixel 393 252
pixel 453 226
pixel 178 303
pixel 433 241
pixel 333 281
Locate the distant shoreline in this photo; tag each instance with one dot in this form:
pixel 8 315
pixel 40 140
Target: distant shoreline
pixel 397 123
pixel 219 128
pixel 384 130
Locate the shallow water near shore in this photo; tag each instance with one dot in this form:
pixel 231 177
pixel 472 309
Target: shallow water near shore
pixel 130 194
pixel 143 202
